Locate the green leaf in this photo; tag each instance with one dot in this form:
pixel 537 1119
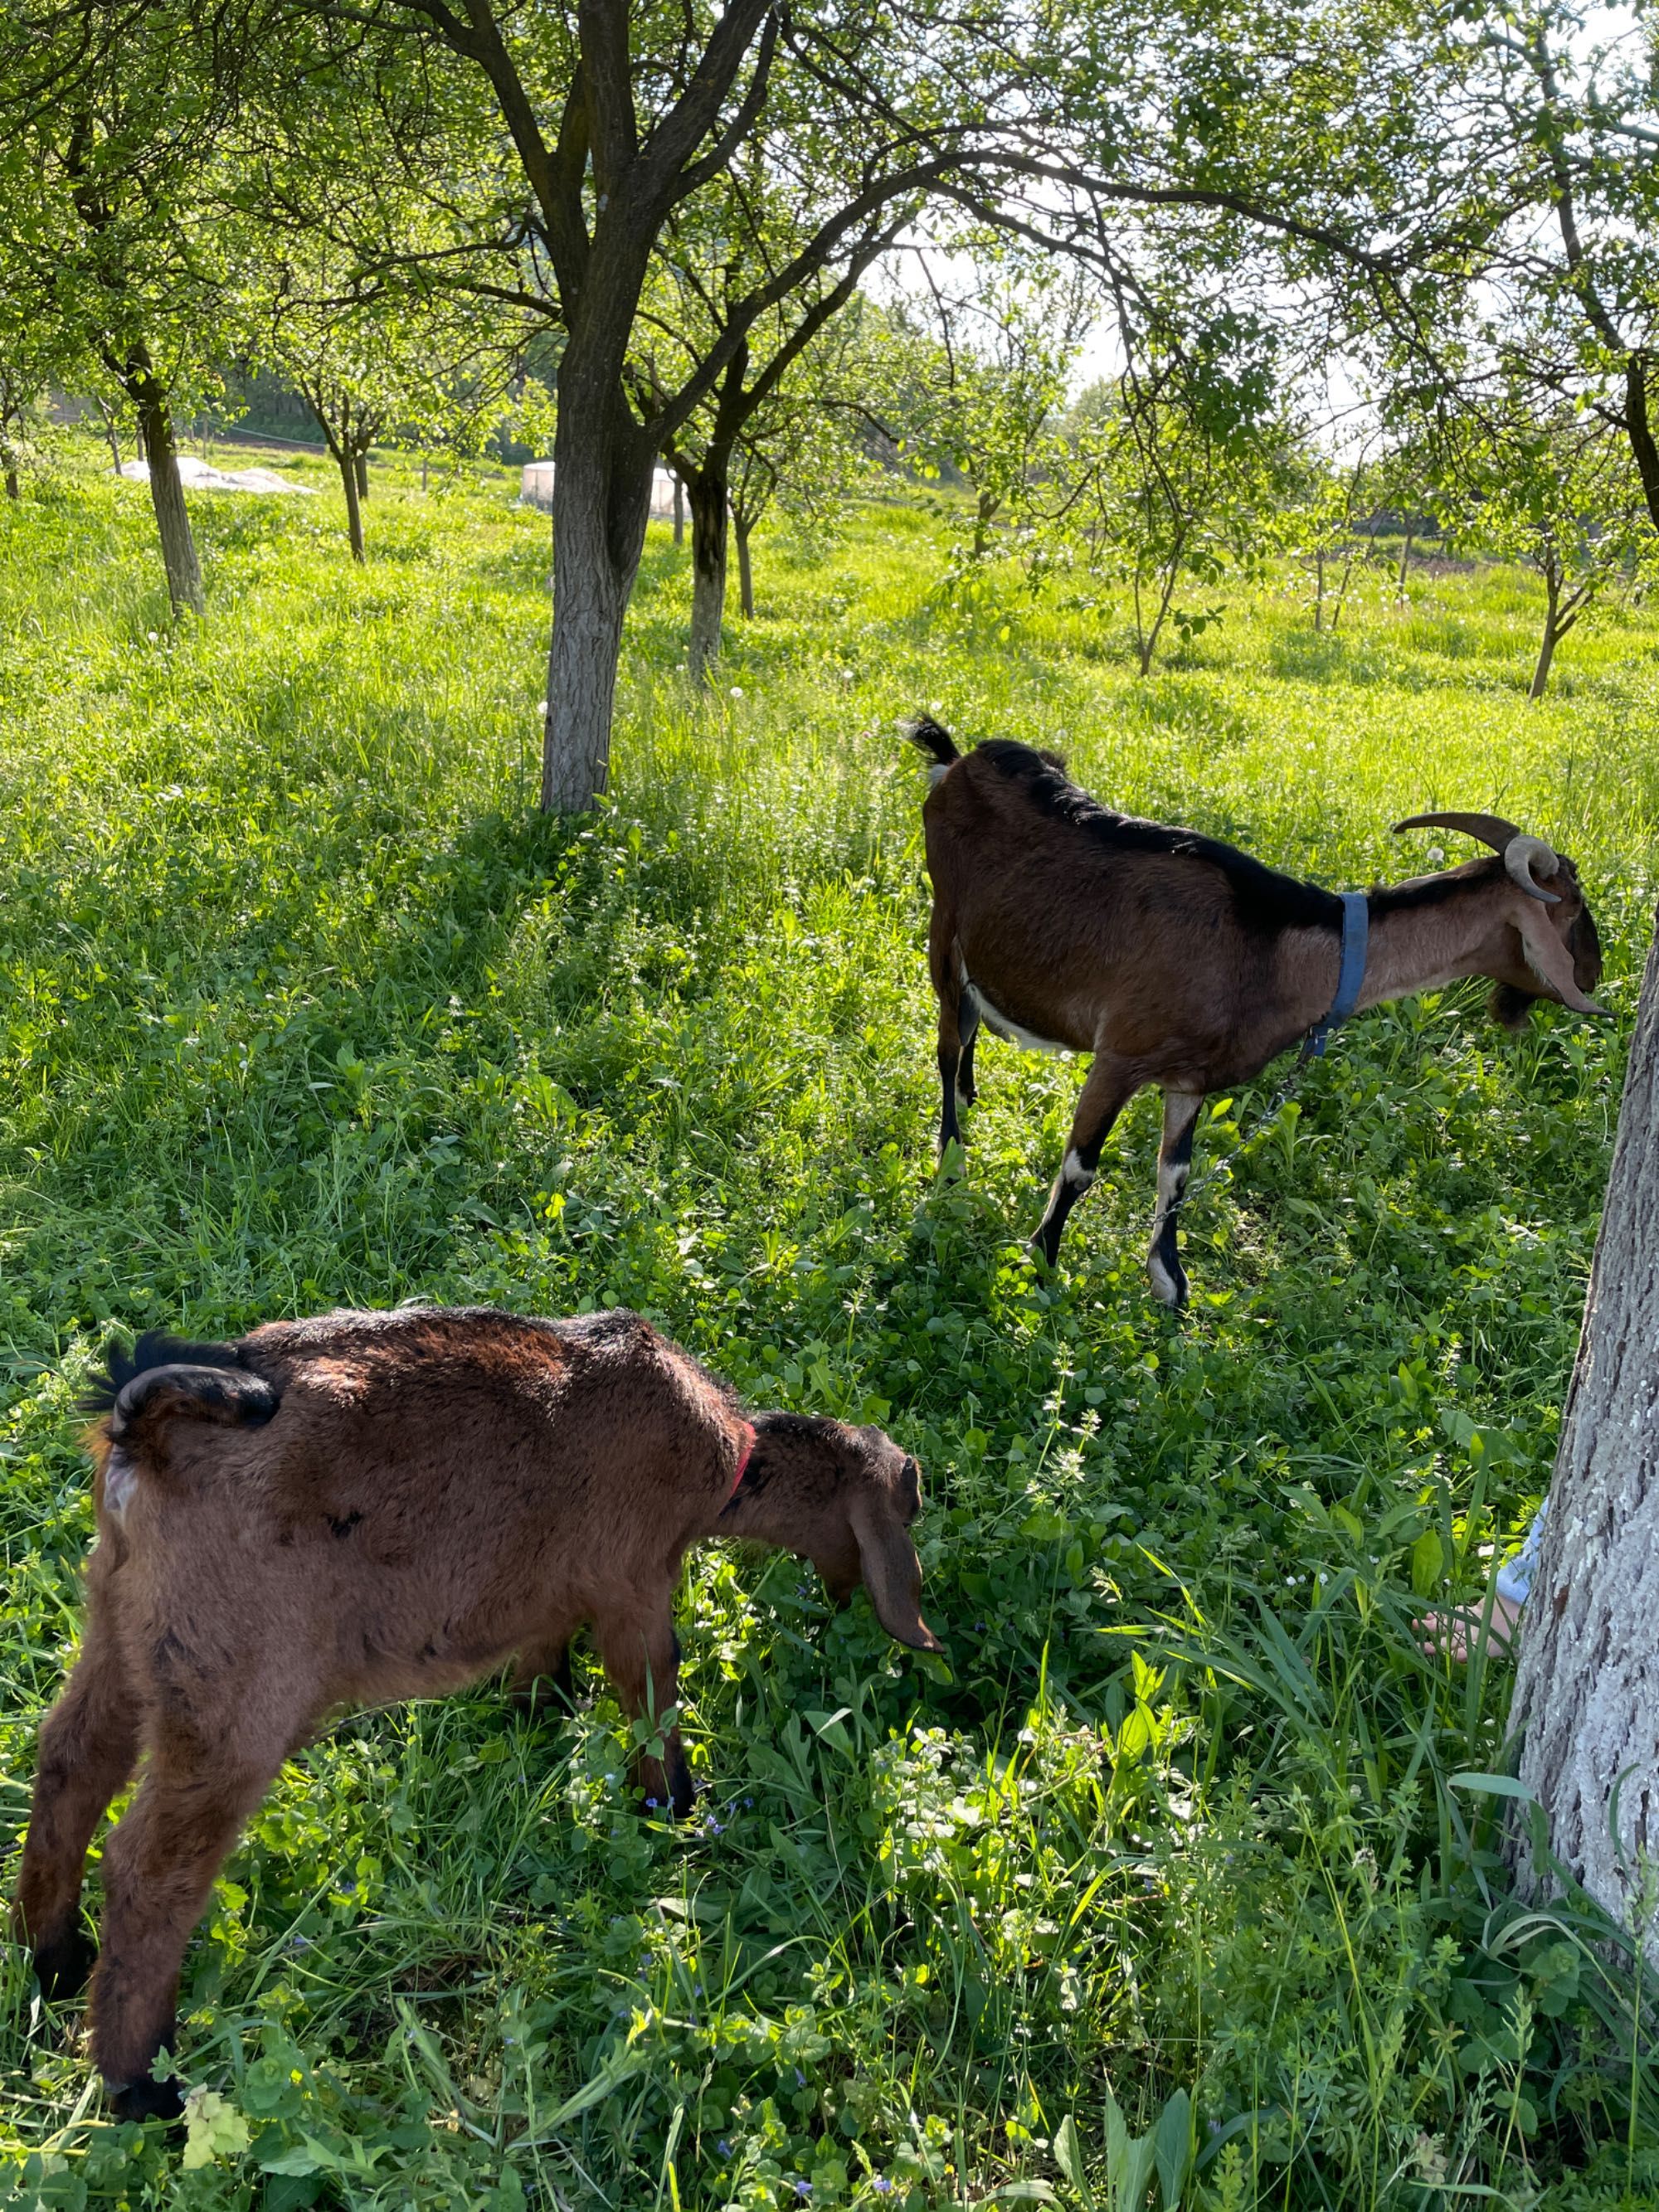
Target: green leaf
pixel 1173 2140
pixel 1428 1563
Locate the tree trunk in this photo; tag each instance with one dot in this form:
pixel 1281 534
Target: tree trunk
pixel 746 574
pixel 14 490
pixel 347 464
pixel 362 479
pixel 109 432
pixel 1587 1695
pixel 679 512
pixel 167 496
pixel 1399 582
pixel 984 510
pixel 708 498
pixel 1319 591
pixel 1551 639
pixel 601 503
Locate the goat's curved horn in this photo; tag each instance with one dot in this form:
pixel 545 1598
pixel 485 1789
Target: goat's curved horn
pixel 1491 828
pixel 1521 856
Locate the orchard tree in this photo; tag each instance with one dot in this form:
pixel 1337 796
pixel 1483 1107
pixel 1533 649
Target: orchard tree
pixel 1579 102
pixel 709 257
pixel 1531 477
pixel 568 139
pixel 376 360
pixel 977 373
pixel 803 454
pixel 1172 484
pixel 110 120
pixel 1586 1706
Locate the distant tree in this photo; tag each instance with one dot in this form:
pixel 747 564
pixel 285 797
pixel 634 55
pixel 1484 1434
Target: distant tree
pixel 804 452
pixel 373 361
pixel 1170 483
pixel 708 257
pixel 973 374
pixel 1532 477
pixel 1327 496
pixel 110 118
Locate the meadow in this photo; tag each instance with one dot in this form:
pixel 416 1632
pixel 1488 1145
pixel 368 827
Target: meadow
pixel 1167 1882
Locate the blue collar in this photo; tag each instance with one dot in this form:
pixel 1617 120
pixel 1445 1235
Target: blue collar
pixel 1356 933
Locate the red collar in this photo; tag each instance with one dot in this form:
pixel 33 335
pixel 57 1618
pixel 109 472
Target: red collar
pixel 743 1457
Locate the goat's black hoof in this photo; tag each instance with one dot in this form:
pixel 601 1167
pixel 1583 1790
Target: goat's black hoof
pixel 147 2099
pixel 63 1968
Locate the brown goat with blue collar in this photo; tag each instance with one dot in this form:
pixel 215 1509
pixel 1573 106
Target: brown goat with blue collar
pixel 375 1506
pixel 1178 961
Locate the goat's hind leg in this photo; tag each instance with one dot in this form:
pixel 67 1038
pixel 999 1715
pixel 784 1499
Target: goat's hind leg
pixel 1175 1164
pixel 1106 1093
pixel 87 1750
pixel 968 1027
pixel 954 1002
pixel 159 1865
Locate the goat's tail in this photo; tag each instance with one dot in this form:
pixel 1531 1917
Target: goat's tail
pixel 162 1377
pixel 927 736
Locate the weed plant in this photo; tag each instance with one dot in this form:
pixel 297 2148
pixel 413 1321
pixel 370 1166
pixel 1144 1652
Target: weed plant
pixel 1161 1886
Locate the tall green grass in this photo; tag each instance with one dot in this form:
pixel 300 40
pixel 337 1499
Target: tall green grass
pixel 302 1004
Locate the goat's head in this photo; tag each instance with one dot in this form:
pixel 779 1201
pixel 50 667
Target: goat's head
pixel 1547 946
pixel 843 1497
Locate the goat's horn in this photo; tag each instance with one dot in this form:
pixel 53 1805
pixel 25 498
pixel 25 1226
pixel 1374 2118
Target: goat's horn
pixel 1521 856
pixel 1491 828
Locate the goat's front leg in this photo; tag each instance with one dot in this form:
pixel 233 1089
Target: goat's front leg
pixel 1106 1093
pixel 88 1748
pixel 1175 1163
pixel 159 1866
pixel 640 1654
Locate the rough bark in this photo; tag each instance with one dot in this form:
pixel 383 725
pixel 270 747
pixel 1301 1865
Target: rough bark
pixel 1587 1696
pixel 709 502
pixel 745 573
pixel 601 503
pixel 166 495
pixel 679 512
pixel 362 472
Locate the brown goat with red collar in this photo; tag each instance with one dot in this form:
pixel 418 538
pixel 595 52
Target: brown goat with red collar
pixel 1178 961
pixel 375 1506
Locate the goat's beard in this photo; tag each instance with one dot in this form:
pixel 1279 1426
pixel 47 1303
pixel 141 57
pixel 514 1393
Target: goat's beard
pixel 1511 1006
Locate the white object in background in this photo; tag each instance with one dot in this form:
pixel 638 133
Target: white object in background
pixel 196 475
pixel 536 490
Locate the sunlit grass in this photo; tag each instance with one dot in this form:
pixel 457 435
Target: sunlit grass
pixel 302 1004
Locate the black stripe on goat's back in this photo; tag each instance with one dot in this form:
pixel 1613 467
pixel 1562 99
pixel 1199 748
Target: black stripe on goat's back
pixel 155 1348
pixel 1265 899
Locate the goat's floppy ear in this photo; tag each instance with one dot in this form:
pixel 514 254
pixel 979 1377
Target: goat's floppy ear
pixel 893 1573
pixel 1549 958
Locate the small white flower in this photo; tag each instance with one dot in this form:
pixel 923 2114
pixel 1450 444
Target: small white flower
pixel 737 690
pixel 155 637
pixel 936 706
pixel 542 710
pixel 1437 854
pixel 847 675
